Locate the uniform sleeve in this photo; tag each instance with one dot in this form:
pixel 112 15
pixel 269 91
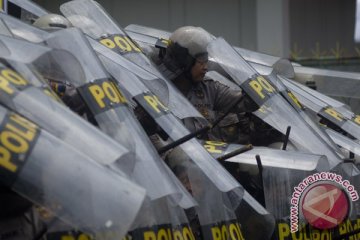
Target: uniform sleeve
pixel 224 97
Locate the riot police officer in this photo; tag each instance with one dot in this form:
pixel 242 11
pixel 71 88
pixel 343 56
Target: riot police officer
pixel 185 64
pixel 67 92
pixel 20 219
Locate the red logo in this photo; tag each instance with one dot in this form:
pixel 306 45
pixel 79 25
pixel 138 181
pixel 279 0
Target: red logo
pixel 325 206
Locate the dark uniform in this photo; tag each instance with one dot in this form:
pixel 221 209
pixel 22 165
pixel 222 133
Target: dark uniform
pixel 212 99
pixel 18 218
pixel 185 64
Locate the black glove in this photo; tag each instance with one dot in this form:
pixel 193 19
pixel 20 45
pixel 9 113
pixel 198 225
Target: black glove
pixel 249 104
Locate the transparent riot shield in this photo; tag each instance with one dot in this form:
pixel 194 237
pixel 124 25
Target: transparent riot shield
pixel 48 172
pixel 337 84
pixel 344 172
pixel 30 7
pixel 273 108
pixel 339 106
pixel 346 143
pixel 99 91
pixel 216 218
pixel 151 33
pixel 47 63
pixel 23 30
pixel 284 230
pixel 179 229
pixel 167 93
pixel 110 109
pixel 4 30
pixel 265 94
pixel 290 98
pixel 324 110
pixel 97 24
pixel 269 157
pixel 141 93
pixel 198 174
pixel 330 82
pixel 278 168
pixel 121 70
pixel 298 105
pixel 20 95
pixel 286 178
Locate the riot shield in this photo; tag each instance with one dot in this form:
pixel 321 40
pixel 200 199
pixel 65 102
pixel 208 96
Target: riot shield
pixel 266 95
pixel 194 174
pixel 273 108
pixel 290 98
pixel 80 13
pixel 167 93
pixel 23 30
pixel 344 172
pixel 47 171
pixel 279 173
pixel 220 78
pixel 337 84
pixel 298 105
pixel 110 109
pixel 284 179
pixel 330 82
pixel 146 225
pixel 4 30
pixel 350 145
pixel 153 104
pixel 283 230
pixel 45 64
pixel 263 63
pixel 350 125
pixel 325 107
pixel 20 95
pixel 94 22
pixel 144 97
pixel 30 7
pixel 124 72
pixel 103 98
pixel 151 33
pixel 339 106
pixel 269 157
pixel 198 169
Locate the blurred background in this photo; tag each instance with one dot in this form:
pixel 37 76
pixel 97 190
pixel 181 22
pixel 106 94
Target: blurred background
pixel 317 33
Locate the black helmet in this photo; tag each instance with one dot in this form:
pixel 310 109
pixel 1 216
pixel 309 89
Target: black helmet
pixel 188 44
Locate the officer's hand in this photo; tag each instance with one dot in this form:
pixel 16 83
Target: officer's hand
pixel 249 104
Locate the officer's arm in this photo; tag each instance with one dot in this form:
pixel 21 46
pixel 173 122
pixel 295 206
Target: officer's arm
pixel 225 97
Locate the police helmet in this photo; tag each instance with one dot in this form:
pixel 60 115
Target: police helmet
pixel 50 22
pixel 188 44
